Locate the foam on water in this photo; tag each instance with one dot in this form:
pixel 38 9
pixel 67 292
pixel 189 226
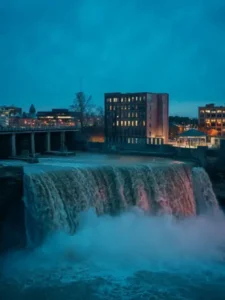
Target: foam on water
pixel 119 249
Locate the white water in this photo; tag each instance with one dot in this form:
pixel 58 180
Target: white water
pixel 55 197
pixel 128 256
pixel 142 253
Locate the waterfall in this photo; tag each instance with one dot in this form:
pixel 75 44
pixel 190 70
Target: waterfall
pixel 54 199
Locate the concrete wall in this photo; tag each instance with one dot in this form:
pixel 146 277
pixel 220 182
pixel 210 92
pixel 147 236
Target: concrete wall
pixel 198 155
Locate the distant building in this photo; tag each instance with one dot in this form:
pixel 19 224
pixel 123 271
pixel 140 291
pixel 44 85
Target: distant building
pixel 10 111
pixel 211 117
pixel 22 122
pixel 135 117
pixel 58 117
pixel 4 121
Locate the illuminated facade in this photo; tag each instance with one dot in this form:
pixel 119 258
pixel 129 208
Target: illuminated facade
pixel 9 111
pixel 211 117
pixel 137 117
pixel 58 117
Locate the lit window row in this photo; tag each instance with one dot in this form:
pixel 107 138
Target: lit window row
pixel 211 111
pixel 126 99
pixel 128 107
pixel 214 120
pixel 128 123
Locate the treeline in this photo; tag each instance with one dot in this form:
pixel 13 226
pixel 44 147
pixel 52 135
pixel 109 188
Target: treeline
pixel 183 120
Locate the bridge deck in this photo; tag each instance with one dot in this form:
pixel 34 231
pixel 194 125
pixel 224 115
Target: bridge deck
pixel 18 130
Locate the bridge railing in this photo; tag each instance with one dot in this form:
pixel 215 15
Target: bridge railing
pixel 37 128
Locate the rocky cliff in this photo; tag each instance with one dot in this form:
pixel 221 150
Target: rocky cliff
pixel 12 229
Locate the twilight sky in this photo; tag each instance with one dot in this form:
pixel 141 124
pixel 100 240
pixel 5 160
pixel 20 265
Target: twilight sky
pixel 174 46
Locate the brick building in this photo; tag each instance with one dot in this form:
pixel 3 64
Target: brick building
pixel 136 117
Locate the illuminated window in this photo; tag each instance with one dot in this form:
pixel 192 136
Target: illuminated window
pixel 143 123
pixel 117 123
pixel 125 107
pixel 125 123
pixel 136 123
pixel 128 140
pixel 140 98
pixel 121 99
pixel 132 98
pixel 136 98
pixel 128 123
pixel 115 99
pixel 128 99
pixel 110 107
pixel 132 123
pixel 121 123
pixel 128 115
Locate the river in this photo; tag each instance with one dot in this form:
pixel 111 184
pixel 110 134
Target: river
pixel 117 228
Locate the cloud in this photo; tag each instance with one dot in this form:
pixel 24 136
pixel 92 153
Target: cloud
pixel 137 45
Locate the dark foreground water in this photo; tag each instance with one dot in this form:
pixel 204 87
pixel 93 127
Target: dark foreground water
pixel 133 256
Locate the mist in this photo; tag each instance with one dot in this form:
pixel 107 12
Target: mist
pixel 119 247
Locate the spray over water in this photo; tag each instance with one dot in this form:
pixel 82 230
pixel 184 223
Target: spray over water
pixel 141 232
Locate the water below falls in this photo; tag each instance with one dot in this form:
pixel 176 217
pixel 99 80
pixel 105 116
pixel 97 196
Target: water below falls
pixel 147 229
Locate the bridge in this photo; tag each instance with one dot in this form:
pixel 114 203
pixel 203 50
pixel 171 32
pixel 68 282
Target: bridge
pixel 28 129
pixel 18 142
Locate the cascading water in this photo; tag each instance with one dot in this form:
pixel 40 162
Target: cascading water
pixel 55 198
pixel 147 230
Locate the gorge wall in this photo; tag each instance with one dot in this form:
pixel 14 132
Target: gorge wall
pixel 12 230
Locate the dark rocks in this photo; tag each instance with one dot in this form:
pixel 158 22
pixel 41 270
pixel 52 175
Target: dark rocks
pixel 12 227
pixel 217 176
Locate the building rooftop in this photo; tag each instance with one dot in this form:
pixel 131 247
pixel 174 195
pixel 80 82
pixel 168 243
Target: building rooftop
pixel 193 133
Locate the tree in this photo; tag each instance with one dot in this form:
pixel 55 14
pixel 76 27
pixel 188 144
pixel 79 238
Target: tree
pixel 83 105
pixel 32 110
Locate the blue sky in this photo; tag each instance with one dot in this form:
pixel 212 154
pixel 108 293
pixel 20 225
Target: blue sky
pixel 173 46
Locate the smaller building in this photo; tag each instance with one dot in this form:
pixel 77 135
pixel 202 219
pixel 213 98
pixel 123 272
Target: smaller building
pixel 4 121
pixel 192 139
pixel 57 117
pixel 9 111
pixel 211 117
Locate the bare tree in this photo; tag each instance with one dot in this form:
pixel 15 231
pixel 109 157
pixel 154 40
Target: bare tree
pixel 100 115
pixel 83 105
